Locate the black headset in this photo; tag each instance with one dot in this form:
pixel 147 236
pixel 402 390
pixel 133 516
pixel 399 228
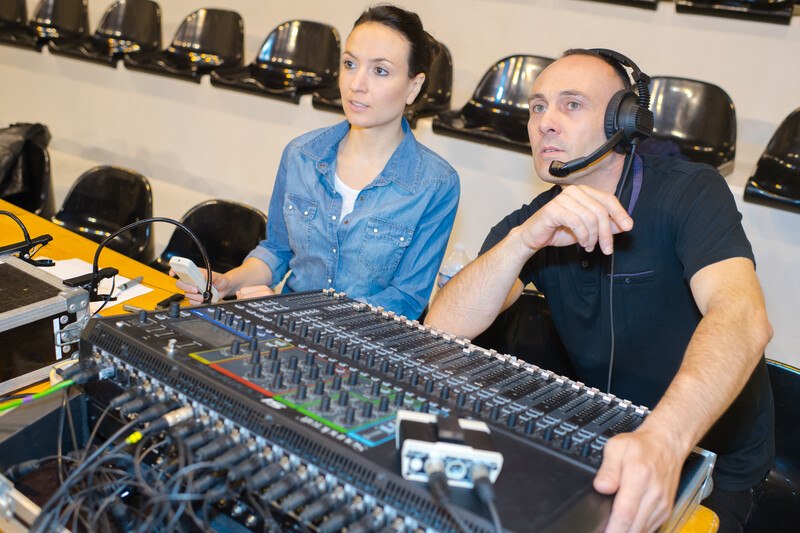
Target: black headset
pixel 628 119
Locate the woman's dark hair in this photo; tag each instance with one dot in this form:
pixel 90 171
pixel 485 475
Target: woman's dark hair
pixel 409 26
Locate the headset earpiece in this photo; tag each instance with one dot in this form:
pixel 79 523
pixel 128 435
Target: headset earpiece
pixel 627 111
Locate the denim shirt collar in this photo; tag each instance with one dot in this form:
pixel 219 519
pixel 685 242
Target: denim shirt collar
pixel 402 168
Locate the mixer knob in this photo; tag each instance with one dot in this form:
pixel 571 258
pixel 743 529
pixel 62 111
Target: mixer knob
pixel 366 411
pixel 461 399
pixel 344 398
pixel 477 405
pixel 445 392
pixel 301 392
pixel 511 421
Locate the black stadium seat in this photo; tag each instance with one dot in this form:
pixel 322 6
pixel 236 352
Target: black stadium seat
pixel 698 117
pixel 105 199
pixel 777 11
pixel 227 230
pixel 498 112
pixel 776 180
pixel 207 39
pixel 779 507
pixel 127 27
pixel 297 57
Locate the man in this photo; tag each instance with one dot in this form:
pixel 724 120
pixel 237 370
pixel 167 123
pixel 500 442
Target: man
pixel 689 325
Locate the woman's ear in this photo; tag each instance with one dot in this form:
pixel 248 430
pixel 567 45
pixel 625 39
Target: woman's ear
pixel 416 87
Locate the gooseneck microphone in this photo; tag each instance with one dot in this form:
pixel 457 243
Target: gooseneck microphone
pixel 561 170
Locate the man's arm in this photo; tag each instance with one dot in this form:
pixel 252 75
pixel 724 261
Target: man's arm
pixel 470 301
pixel 468 304
pixel 643 467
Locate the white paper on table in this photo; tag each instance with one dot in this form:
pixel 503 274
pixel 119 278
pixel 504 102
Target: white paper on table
pixel 70 268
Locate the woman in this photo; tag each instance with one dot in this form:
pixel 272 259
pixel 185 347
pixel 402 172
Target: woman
pixel 360 206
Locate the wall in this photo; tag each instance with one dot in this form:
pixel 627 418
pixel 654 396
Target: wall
pixel 197 142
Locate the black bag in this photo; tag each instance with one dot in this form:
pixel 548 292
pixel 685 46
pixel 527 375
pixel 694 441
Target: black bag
pixel 25 168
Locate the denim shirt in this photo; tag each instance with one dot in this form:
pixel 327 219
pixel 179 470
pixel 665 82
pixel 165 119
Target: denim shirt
pixel 387 251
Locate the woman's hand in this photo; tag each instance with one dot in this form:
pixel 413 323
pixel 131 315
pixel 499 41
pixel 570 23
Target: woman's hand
pixel 195 295
pixel 254 291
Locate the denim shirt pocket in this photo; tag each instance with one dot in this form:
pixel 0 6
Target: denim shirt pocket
pixel 384 244
pixel 299 214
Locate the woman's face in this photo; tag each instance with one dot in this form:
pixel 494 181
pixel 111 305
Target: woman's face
pixel 374 78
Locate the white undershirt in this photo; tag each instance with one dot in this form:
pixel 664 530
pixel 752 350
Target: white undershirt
pixel 349 195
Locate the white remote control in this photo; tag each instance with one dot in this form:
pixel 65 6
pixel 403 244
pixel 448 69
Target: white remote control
pixel 189 273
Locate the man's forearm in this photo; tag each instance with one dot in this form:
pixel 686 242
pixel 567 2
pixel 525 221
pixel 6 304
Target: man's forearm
pixel 721 356
pixel 470 301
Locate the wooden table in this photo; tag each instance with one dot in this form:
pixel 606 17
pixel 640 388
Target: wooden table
pixel 68 245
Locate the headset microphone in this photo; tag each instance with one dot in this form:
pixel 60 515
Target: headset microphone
pixel 562 170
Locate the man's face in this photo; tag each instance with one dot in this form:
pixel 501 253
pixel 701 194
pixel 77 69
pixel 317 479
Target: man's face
pixel 567 105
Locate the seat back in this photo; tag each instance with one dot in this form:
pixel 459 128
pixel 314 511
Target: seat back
pixel 129 26
pixel 105 199
pixel 25 179
pixel 697 116
pixel 776 180
pixel 227 230
pixel 301 53
pixel 779 507
pixel 208 39
pixel 526 331
pixel 500 101
pixel 60 19
pixel 13 13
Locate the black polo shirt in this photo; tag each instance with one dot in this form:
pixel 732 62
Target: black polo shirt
pixel 685 218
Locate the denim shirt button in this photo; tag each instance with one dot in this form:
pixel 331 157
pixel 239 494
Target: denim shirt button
pixel 402 239
pixel 333 217
pixel 334 250
pixel 305 213
pixel 375 230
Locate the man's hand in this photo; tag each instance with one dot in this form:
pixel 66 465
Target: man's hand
pixel 579 214
pixel 254 291
pixel 643 469
pixel 194 295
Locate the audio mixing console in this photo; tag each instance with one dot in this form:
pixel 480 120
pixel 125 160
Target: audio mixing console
pixel 315 380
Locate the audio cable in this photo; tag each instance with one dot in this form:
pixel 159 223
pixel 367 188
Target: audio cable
pixel 437 484
pixel 484 490
pixel 31 397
